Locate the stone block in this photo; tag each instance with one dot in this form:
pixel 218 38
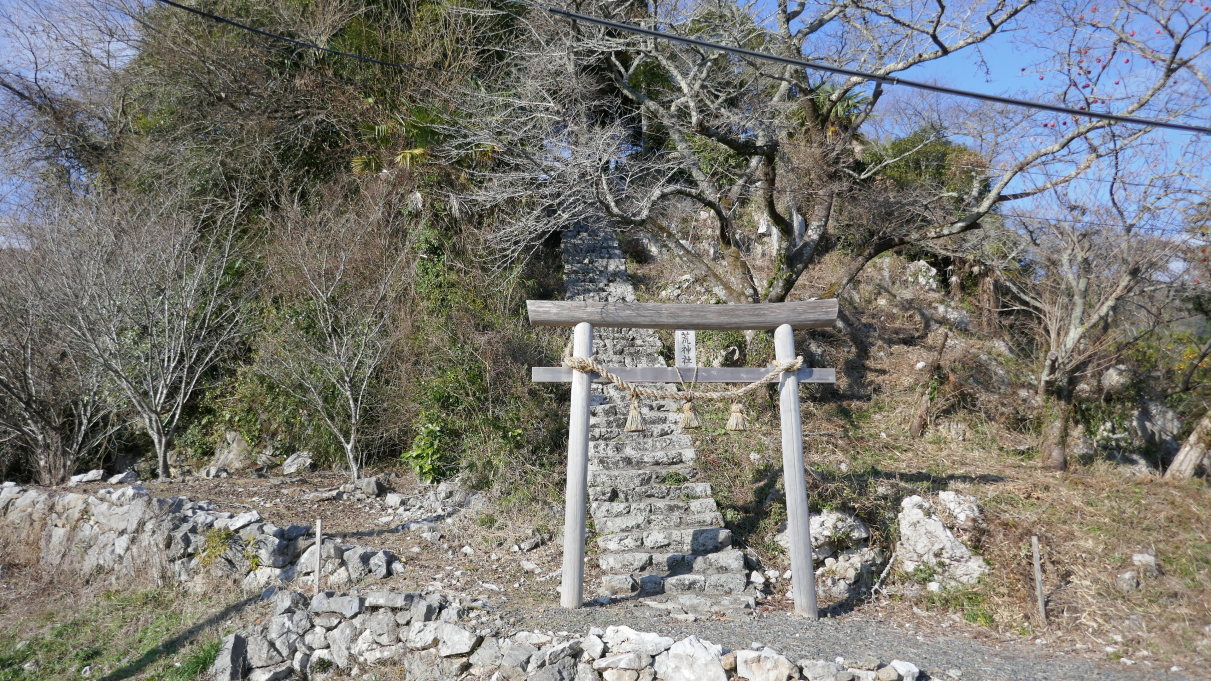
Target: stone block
pixel 685 583
pixel 232 660
pixel 346 606
pixel 619 585
pixel 390 599
pixel 764 665
pixel 726 584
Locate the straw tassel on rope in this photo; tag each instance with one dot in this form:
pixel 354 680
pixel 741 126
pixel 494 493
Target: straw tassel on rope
pixel 737 420
pixel 689 420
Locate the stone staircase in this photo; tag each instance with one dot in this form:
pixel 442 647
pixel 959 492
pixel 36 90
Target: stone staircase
pixel 659 532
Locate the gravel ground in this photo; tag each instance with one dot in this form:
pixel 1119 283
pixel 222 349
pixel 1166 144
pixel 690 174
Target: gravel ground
pixel 856 635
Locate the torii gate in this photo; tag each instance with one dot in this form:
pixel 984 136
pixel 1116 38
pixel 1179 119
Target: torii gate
pixel 783 318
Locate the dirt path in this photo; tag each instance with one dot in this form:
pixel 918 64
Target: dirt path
pixel 874 631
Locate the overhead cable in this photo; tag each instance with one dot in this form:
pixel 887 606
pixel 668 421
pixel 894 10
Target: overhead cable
pixel 300 43
pixel 853 73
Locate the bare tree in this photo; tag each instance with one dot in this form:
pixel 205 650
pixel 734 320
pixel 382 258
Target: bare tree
pixel 1104 277
pixel 149 298
pixel 63 106
pixel 689 145
pixel 52 394
pixel 337 268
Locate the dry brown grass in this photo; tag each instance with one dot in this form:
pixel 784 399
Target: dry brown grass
pixel 1090 522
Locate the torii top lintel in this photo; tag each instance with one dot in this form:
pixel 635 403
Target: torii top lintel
pixel 808 314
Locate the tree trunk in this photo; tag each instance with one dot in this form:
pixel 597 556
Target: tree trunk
pixel 160 442
pixel 1053 450
pixel 351 456
pixel 51 459
pixel 1192 452
pixel 989 300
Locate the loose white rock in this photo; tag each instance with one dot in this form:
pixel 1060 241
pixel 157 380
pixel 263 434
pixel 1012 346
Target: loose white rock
pixel 691 659
pixel 764 665
pixel 299 461
pixel 91 476
pixel 925 540
pixel 908 671
pixel 622 639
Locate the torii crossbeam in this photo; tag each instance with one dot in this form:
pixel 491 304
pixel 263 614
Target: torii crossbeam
pixel 783 318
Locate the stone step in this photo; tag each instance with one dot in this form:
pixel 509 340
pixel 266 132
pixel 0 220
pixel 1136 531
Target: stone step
pixel 641 477
pixel 725 561
pixel 675 457
pixel 651 585
pixel 637 445
pixel 682 492
pixel 628 523
pixel 613 509
pixel 652 421
pixel 625 346
pixel 622 408
pixel 697 540
pixel 651 432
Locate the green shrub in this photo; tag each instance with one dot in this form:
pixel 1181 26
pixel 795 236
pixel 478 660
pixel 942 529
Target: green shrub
pixel 428 456
pixel 214 544
pixel 967 601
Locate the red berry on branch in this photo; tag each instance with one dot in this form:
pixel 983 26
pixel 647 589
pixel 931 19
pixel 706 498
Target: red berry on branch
pixel 1116 82
pixel 1158 31
pixel 1040 78
pixel 1126 61
pixel 1131 34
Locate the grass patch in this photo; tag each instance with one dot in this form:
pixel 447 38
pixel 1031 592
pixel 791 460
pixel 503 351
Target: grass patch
pixel 120 634
pixel 968 602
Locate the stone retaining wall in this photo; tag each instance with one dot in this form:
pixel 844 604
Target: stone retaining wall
pixel 119 534
pixel 434 638
pixel 124 534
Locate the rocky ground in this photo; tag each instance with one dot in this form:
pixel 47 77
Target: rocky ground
pixel 451 541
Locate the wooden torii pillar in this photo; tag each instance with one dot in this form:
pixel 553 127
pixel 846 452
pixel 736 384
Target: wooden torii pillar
pixel 783 318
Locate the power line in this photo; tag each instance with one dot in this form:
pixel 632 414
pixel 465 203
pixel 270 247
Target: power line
pixel 300 43
pixel 891 80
